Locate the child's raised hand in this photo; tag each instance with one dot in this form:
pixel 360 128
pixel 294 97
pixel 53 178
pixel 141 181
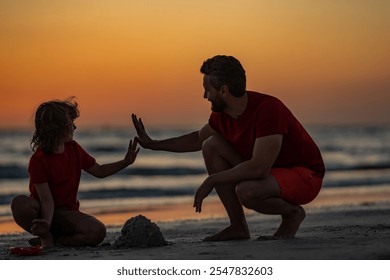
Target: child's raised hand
pixel 132 152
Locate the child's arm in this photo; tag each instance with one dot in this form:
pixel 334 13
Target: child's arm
pixel 41 227
pixel 108 169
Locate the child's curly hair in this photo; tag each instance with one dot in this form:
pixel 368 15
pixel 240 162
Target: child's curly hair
pixel 53 122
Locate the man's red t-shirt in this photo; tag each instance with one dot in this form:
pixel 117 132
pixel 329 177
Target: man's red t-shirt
pixel 266 115
pixel 62 172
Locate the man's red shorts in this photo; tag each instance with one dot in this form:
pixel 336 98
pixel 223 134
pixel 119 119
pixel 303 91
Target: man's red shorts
pixel 298 185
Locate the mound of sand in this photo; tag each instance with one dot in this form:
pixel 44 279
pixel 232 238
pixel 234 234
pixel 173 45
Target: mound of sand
pixel 139 231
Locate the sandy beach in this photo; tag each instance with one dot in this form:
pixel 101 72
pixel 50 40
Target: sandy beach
pixel 338 225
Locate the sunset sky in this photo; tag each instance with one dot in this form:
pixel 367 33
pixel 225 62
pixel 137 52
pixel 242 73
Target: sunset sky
pixel 329 60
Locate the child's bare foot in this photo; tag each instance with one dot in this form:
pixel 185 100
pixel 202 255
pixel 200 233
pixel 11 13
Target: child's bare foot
pixel 41 228
pixel 229 233
pixel 35 241
pixel 48 241
pixel 290 223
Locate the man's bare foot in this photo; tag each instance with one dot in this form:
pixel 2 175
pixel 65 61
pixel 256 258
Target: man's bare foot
pixel 229 233
pixel 290 224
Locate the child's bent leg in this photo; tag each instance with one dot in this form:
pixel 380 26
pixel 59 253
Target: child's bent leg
pixel 24 210
pixel 87 231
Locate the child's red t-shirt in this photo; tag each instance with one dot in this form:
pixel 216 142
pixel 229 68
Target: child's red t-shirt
pixel 62 172
pixel 266 115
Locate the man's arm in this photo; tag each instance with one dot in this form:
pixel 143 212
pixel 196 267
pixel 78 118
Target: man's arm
pixel 265 152
pixel 190 142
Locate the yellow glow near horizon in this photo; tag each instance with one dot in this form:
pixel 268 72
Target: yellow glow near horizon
pixel 327 60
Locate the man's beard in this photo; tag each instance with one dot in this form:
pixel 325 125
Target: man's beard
pixel 218 106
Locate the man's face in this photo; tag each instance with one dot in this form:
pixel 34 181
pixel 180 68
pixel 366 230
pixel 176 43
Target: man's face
pixel 218 104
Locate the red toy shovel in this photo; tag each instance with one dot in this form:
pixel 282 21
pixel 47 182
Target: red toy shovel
pixel 26 251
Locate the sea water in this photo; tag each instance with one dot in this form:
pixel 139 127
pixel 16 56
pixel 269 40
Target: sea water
pixel 354 156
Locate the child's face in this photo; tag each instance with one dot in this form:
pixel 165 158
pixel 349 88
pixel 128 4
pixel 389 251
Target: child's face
pixel 71 130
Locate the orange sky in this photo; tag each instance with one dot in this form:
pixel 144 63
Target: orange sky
pixel 327 60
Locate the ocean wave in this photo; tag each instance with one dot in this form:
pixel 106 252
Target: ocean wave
pixel 167 171
pixel 15 171
pixel 158 192
pixel 356 182
pixel 134 193
pixel 345 167
pixel 120 193
pixel 104 149
pixel 20 172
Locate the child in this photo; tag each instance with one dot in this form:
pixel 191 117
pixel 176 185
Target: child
pixel 51 212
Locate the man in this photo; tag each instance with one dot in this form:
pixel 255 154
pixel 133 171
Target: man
pixel 256 152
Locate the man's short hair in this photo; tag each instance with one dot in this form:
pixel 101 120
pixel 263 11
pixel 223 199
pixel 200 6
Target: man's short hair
pixel 225 70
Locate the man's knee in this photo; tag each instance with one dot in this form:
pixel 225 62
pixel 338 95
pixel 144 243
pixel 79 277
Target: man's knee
pixel 216 145
pixel 211 144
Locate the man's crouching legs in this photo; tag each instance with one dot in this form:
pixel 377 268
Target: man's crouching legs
pixel 263 196
pixel 219 155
